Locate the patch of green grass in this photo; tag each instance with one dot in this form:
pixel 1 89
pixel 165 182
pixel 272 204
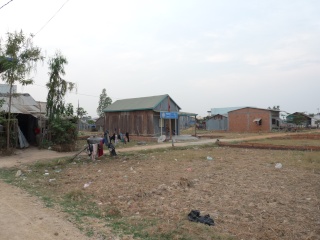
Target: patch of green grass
pixel 79 205
pixel 52 163
pixel 147 229
pixel 125 226
pixel 8 175
pixel 75 196
pixel 90 232
pixel 48 201
pixel 176 148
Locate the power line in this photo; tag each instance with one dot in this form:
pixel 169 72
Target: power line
pixel 6 4
pixel 78 93
pixel 69 92
pixel 50 18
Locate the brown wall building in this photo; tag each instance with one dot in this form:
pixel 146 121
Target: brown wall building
pixel 251 119
pixel 141 116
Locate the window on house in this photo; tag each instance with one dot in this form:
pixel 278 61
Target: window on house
pixel 258 121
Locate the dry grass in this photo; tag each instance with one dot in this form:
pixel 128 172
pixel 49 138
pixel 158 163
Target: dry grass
pixel 150 193
pixel 237 135
pixel 289 142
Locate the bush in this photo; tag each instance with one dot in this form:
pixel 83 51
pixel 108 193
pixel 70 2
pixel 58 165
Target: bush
pixel 63 131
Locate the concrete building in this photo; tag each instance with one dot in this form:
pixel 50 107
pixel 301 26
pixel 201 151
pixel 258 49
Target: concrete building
pixel 250 119
pixel 218 119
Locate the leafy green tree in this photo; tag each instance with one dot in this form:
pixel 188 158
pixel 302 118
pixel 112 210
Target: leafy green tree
pixel 57 86
pixel 63 131
pixel 104 102
pixel 1 102
pixel 1 114
pixel 296 119
pixel 69 110
pixel 81 112
pixel 23 57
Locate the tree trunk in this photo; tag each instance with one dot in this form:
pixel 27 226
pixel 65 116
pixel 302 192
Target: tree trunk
pixel 9 115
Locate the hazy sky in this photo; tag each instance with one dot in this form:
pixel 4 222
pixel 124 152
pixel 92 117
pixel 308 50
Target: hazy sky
pixel 203 53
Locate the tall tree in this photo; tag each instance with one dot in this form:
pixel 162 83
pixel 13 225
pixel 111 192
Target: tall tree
pixel 22 56
pixel 297 119
pixel 69 110
pixel 1 113
pixel 81 112
pixel 104 102
pixel 57 86
pixel 62 130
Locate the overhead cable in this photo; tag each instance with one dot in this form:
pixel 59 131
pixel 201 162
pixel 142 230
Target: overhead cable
pixel 50 18
pixel 70 92
pixel 6 4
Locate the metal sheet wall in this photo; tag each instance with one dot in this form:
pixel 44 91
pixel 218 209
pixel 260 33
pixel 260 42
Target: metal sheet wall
pixel 217 124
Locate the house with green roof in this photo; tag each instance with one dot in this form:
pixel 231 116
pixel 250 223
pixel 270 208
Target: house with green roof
pixel 141 116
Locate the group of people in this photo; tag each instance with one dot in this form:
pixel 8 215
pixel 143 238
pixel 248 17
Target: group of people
pixel 107 139
pixel 119 137
pixel 96 150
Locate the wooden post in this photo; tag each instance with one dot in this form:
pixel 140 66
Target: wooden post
pixel 195 126
pixel 161 124
pixel 9 113
pixel 170 118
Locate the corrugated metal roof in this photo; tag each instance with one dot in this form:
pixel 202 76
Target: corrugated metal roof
pixel 134 104
pixel 299 113
pixel 21 103
pixel 5 88
pixel 187 114
pixel 224 115
pixel 272 110
pixel 42 107
pixel 223 111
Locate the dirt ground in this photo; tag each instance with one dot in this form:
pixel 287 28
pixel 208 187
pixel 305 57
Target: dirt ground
pixel 240 188
pixel 26 217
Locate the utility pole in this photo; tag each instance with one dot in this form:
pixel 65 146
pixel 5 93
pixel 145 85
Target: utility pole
pixel 195 126
pixel 78 117
pixel 169 118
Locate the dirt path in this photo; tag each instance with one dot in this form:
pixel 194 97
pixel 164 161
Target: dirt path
pixel 25 217
pixel 32 154
pixel 203 141
pixel 29 155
